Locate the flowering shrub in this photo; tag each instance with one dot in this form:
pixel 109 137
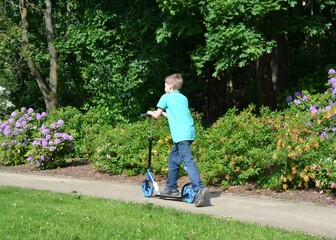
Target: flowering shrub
pixel 74 127
pixel 16 134
pixel 24 137
pixel 291 149
pixel 5 103
pixel 50 146
pixel 321 119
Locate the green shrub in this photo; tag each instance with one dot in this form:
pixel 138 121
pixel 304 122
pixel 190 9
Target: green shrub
pixel 117 148
pixel 237 147
pixel 124 148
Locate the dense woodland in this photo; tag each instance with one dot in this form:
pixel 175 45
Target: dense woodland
pixel 112 56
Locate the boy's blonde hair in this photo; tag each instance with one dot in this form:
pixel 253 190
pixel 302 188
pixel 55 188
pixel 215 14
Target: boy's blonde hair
pixel 175 80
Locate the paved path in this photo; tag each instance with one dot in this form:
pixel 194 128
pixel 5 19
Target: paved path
pixel 305 217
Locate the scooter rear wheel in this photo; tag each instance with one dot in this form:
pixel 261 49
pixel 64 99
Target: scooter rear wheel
pixel 189 192
pixel 147 188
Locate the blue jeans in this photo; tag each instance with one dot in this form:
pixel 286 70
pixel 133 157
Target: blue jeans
pixel 181 153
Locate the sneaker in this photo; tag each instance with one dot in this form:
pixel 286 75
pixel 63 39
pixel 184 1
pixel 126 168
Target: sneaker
pixel 201 197
pixel 174 192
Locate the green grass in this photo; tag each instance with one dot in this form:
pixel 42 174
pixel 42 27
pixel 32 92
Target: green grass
pixel 32 214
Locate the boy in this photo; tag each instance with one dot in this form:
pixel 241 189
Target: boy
pixel 174 106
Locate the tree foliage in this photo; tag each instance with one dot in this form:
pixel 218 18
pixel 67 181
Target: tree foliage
pixel 113 56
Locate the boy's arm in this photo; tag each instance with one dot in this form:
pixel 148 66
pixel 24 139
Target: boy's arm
pixel 156 114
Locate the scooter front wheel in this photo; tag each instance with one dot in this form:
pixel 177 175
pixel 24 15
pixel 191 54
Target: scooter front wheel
pixel 188 192
pixel 147 188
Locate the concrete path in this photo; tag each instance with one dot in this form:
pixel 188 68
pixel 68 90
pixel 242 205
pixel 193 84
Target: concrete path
pixel 305 217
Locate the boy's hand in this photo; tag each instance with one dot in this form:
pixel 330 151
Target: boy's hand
pixel 155 114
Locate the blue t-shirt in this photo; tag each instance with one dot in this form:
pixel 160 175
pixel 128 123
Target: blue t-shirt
pixel 180 121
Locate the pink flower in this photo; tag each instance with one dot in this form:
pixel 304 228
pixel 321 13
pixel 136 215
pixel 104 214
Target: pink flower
pixel 331 71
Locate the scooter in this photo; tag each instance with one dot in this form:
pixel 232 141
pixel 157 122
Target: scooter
pixel 149 186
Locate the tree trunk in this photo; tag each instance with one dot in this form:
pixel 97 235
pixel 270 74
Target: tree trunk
pixel 272 73
pixel 279 66
pixel 53 81
pixel 264 81
pixel 49 95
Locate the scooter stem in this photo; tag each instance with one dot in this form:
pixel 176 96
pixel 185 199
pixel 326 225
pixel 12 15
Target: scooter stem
pixel 150 145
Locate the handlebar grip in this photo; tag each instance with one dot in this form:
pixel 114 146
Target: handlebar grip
pixel 143 115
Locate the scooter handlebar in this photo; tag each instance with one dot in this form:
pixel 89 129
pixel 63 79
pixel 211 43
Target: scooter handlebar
pixel 143 115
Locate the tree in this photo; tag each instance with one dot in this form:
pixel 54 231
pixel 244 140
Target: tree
pixel 26 47
pixel 244 33
pixel 49 92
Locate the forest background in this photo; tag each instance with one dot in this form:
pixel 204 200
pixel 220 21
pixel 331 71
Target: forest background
pixel 91 67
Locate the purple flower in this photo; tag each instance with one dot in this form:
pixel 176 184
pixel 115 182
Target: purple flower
pixel 289 99
pixel 7 130
pixel 36 142
pixel 331 71
pixel 15 113
pixel 44 143
pixel 53 126
pixel 333 129
pixel 297 101
pixel 60 122
pixel 66 136
pixel 57 135
pixel 24 124
pixel 17 124
pixel 30 158
pixel 3 143
pixel 313 109
pixel 46 131
pixel 57 141
pixel 52 148
pixel 305 98
pixel 30 110
pixel 44 114
pixel 38 116
pixel 324 135
pixel 297 94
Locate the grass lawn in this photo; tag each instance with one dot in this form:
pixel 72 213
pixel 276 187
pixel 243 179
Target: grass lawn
pixel 32 214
